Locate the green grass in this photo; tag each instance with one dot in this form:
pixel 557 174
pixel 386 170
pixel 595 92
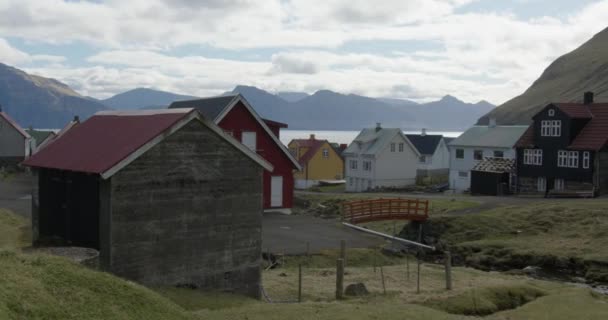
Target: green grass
pixel 356 257
pixel 15 231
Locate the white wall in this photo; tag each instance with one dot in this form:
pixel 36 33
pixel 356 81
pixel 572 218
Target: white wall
pixel 459 183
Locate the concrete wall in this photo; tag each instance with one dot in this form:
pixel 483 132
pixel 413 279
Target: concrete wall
pixel 188 211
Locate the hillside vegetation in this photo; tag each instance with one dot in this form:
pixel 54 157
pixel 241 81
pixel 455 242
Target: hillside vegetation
pixel 565 80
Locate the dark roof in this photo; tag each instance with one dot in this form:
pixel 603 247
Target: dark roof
pixel 275 124
pixel 105 139
pixel 500 165
pixel 594 134
pixel 14 124
pixel 426 144
pixel 210 108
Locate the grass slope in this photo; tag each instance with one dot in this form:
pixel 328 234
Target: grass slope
pixel 15 230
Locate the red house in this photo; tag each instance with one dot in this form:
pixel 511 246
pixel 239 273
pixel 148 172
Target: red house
pixel 236 116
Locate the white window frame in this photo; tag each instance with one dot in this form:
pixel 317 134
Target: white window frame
pixel 353 164
pixel 456 154
pixel 541 184
pixel 562 159
pixel 401 146
pixel 586 159
pixel 325 153
pixel 533 157
pixel 367 166
pixel 556 128
pixel 545 128
pixel 559 185
pixel 478 151
pixel 551 128
pixel 393 146
pixel 572 159
pixel 251 144
pixel 551 112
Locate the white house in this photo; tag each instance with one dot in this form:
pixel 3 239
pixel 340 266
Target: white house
pixel 434 158
pixel 380 157
pixel 477 143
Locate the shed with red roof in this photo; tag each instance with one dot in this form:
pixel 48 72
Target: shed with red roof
pixel 564 152
pixel 166 197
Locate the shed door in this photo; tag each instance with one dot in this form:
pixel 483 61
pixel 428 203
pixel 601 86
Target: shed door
pixel 276 191
pixel 248 139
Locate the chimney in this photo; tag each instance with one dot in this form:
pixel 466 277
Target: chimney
pixel 423 133
pixel 378 126
pixel 76 119
pixel 588 99
pixel 492 123
pixel 312 136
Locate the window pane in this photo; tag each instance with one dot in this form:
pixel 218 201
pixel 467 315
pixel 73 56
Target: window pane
pixel 478 154
pixel 459 153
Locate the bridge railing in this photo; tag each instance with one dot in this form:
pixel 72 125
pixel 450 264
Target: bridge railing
pixel 369 210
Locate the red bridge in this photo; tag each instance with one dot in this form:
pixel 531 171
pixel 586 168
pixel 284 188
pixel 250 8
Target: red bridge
pixel 385 209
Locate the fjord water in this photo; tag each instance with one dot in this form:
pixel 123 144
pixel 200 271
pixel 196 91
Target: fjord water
pixel 344 136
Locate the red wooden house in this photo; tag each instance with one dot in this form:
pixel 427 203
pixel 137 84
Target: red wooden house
pixel 237 117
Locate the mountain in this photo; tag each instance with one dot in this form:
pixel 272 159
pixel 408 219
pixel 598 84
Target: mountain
pixel 291 96
pixel 143 98
pixel 565 80
pixel 328 110
pixel 41 102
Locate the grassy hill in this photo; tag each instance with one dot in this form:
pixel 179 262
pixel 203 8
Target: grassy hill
pixel 565 80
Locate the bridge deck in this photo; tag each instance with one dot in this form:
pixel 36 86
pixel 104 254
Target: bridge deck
pixel 385 209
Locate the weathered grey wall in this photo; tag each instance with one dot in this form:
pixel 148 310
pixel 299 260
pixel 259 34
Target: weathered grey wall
pixel 189 211
pixel 12 143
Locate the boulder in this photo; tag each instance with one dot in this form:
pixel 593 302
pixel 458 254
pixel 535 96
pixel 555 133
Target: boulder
pixel 356 290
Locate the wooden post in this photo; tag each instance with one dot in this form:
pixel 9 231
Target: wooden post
pixel 383 284
pixel 407 263
pixel 339 279
pixel 374 262
pixel 343 250
pixel 300 282
pixel 418 279
pixel 448 270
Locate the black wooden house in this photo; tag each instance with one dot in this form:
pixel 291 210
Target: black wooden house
pixel 564 151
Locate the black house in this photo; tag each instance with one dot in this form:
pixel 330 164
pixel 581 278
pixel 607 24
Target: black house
pixel 564 151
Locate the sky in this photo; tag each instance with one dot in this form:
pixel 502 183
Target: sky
pixel 412 49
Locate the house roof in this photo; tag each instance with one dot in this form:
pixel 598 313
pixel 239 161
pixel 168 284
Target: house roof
pixel 594 134
pixel 110 140
pixel 491 137
pixel 216 108
pixel 371 141
pixel 313 146
pixel 14 124
pixel 426 144
pixel 276 124
pixel 499 165
pixel 39 135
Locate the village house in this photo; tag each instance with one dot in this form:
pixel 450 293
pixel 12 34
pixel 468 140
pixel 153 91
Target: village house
pixel 319 160
pixel 564 151
pixel 166 196
pixel 380 157
pixel 40 138
pixel 238 118
pixel 476 144
pixel 434 161
pixel 15 142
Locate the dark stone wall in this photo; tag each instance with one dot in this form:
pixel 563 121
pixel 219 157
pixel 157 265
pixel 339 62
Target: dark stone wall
pixel 188 212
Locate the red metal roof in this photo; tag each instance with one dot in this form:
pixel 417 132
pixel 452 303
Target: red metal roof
pixel 595 134
pixel 575 110
pixel 14 125
pixel 105 139
pixel 275 124
pixel 527 139
pixel 313 146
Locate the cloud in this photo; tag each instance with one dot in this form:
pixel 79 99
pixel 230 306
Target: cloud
pixel 285 63
pixel 14 56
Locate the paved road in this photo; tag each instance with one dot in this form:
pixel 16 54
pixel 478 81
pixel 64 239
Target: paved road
pixel 289 234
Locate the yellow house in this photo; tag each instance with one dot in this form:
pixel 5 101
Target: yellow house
pixel 319 160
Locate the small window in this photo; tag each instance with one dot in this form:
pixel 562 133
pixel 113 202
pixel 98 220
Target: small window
pixel 422 159
pixel 325 153
pixel 478 155
pixel 294 152
pixel 533 157
pixel 353 164
pixel 573 159
pixel 463 174
pixel 392 147
pixel 499 154
pixel 367 166
pixel 559 184
pixel 551 112
pixel 459 153
pixel 541 184
pixel 350 181
pixel 248 138
pixel 562 158
pixel 401 146
pixel 586 159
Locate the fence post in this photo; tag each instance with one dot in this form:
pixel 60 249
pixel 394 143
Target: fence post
pixel 448 270
pixel 300 282
pixel 383 284
pixel 339 279
pixel 418 279
pixel 407 262
pixel 343 250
